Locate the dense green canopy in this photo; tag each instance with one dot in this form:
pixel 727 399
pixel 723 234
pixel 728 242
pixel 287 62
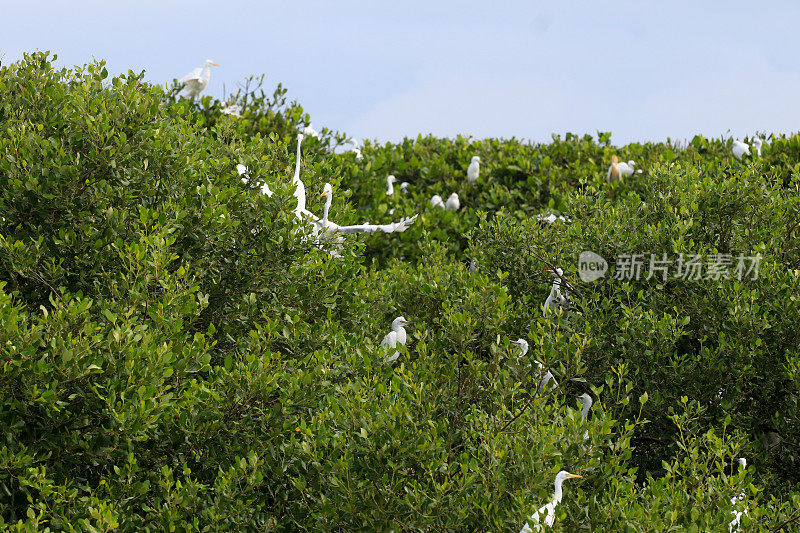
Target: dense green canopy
pixel 177 356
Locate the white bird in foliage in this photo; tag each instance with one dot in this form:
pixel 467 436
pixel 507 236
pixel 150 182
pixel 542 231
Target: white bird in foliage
pixel 556 299
pixel 548 511
pixel 243 172
pixel 395 337
pixel 626 169
pixel 197 80
pixel 452 203
pixel 739 149
pixel 233 110
pixel 436 201
pixel 309 131
pixel 550 219
pixel 473 170
pixel 545 376
pixel 299 186
pixel 327 226
pixel 757 144
pixel 733 525
pixel 587 402
pixel 404 187
pixel 353 142
pixel 390 181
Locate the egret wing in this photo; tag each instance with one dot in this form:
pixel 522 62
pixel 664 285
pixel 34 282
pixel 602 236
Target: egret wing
pixel 193 75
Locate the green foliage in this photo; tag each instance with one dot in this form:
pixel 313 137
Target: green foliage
pixel 177 356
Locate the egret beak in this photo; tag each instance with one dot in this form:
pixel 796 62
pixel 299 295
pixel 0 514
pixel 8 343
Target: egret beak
pixel 407 323
pixel 515 343
pixel 323 194
pixel 214 64
pixel 573 475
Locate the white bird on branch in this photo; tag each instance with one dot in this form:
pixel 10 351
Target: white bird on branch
pixel 197 80
pixel 404 187
pixel 243 172
pixel 390 181
pixel 309 131
pixel 545 376
pixel 757 144
pixel 328 226
pixel 452 203
pixel 233 110
pixel 551 218
pixel 739 149
pixel 473 170
pixel 557 299
pixel 733 525
pixel 587 402
pixel 396 336
pixel 436 201
pixel 353 142
pixel 548 511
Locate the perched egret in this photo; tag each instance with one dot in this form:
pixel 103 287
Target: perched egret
pixel 550 219
pixel 545 376
pixel 299 186
pixel 613 170
pixel 436 201
pixel 404 187
pixel 757 144
pixel 331 227
pixel 587 402
pixel 473 170
pixel 390 181
pixel 309 131
pixel 233 110
pixel 625 169
pixel 452 203
pixel 354 147
pixel 739 149
pixel 395 337
pixel 197 80
pixel 556 299
pixel 243 172
pixel 548 510
pixel 733 525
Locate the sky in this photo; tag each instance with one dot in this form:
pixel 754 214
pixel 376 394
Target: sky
pixel 525 69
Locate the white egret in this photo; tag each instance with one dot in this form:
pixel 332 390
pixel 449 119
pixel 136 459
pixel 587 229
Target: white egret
pixel 309 131
pixel 243 172
pixel 390 181
pixel 327 226
pixel 299 186
pixel 233 110
pixel 197 80
pixel 436 201
pixel 473 170
pixel 733 525
pixel 550 219
pixel 626 169
pixel 545 376
pixel 404 187
pixel 354 147
pixel 739 149
pixel 452 203
pixel 757 144
pixel 548 510
pixel 556 299
pixel 395 337
pixel 587 402
pixel 613 170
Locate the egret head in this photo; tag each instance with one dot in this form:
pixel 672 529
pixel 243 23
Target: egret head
pixel 300 137
pixel 557 273
pixel 399 322
pixel 522 343
pixel 404 185
pixel 631 163
pixel 391 179
pixel 476 159
pixel 585 399
pixel 327 190
pixel 561 476
pixel 453 196
pixel 210 63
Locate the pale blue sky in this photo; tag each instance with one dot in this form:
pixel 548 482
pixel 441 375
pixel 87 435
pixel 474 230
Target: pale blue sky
pixel 527 69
